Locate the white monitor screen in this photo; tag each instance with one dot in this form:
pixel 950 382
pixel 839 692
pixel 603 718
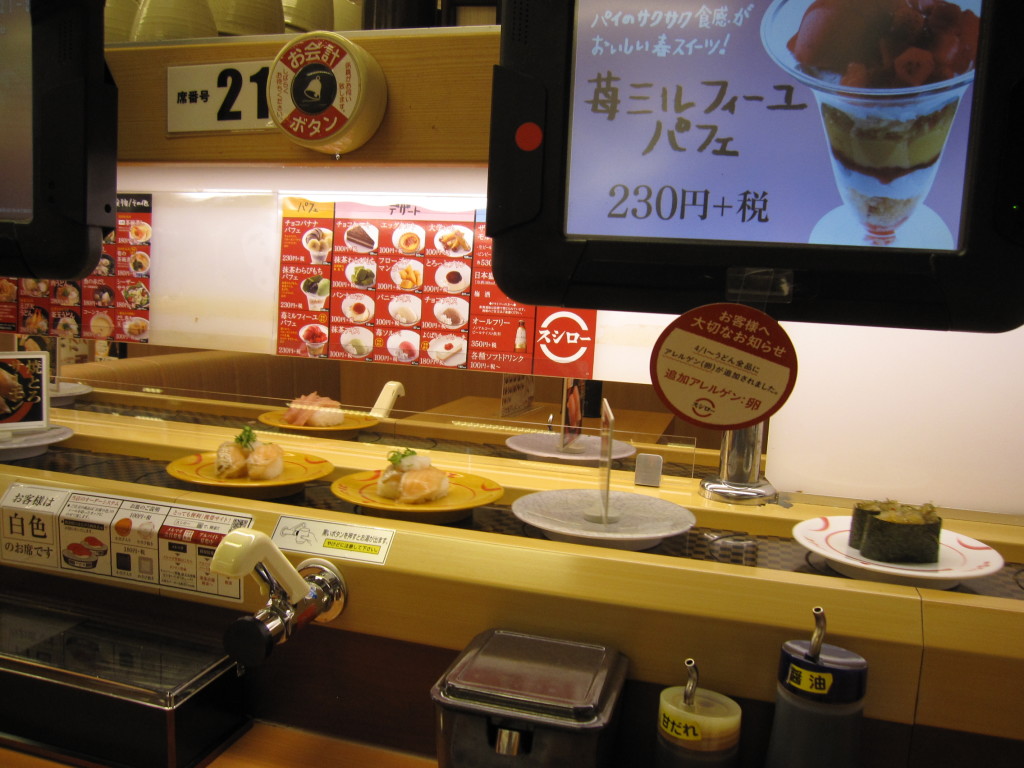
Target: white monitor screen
pixel 790 122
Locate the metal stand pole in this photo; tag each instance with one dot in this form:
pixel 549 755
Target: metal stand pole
pixel 739 478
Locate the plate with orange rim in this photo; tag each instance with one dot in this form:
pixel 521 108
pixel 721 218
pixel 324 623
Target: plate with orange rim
pixel 465 492
pixel 352 421
pixel 299 468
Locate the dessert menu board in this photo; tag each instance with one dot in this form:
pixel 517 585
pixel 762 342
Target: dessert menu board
pixel 502 329
pixel 304 289
pixel 403 283
pixel 111 303
pixel 704 117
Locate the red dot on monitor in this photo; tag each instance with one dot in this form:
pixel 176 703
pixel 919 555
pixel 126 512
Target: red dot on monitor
pixel 529 136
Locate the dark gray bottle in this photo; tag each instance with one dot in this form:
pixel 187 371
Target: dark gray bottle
pixel 818 705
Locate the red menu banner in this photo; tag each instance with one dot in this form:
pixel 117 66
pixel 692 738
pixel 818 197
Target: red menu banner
pixel 304 289
pixel 409 284
pixel 110 303
pixel 393 285
pixel 502 329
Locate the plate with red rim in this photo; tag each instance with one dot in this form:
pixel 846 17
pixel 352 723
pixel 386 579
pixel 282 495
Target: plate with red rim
pixel 960 557
pixel 466 492
pixel 352 421
pixel 299 468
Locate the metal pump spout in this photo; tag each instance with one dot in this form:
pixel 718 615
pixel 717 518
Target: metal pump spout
pixel 315 591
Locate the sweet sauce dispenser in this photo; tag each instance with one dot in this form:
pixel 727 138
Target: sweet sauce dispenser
pixel 697 728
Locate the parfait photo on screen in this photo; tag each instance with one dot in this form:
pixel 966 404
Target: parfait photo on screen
pixel 888 77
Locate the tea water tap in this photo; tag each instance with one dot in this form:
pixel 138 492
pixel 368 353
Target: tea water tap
pixel 315 591
pixel 389 393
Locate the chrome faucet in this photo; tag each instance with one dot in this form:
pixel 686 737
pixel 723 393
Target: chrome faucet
pixel 314 591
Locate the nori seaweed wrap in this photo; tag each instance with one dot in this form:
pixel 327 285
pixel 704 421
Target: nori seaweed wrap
pixel 907 534
pixel 861 512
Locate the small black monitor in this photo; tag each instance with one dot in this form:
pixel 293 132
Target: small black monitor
pixel 831 161
pixel 58 138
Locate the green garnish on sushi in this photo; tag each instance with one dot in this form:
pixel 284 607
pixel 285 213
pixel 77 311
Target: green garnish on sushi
pixel 246 438
pixel 396 456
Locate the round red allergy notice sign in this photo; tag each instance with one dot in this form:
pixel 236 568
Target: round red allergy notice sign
pixel 724 366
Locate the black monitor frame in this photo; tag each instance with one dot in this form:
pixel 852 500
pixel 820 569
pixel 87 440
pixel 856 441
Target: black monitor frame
pixel 979 288
pixel 74 147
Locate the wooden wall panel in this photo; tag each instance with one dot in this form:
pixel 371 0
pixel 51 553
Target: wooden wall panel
pixel 439 100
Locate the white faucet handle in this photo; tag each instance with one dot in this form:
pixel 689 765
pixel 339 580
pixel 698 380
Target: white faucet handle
pixel 244 548
pixel 386 399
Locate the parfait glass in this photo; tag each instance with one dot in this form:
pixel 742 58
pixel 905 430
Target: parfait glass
pixel 885 145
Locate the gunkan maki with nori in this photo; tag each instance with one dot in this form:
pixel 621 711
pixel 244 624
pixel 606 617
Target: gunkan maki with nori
pixel 902 533
pixel 861 512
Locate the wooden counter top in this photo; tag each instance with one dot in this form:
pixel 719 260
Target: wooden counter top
pixel 272 746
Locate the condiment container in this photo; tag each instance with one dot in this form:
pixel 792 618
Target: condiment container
pixel 697 727
pixel 513 699
pixel 93 689
pixel 818 704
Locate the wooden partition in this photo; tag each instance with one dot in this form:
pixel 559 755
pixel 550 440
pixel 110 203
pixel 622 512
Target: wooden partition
pixel 439 101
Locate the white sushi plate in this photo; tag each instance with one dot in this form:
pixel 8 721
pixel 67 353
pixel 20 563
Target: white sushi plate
pixel 30 443
pixel 549 445
pixel 643 521
pixel 65 392
pixel 960 557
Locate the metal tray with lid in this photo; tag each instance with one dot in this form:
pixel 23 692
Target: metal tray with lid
pixel 510 694
pixel 94 688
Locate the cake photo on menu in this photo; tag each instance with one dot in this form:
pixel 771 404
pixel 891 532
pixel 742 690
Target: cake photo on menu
pixel 409 478
pixel 888 77
pixel 361 237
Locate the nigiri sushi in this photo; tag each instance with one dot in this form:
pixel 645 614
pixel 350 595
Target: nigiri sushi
pixel 265 462
pixel 392 483
pixel 245 456
pixel 421 485
pixel 314 410
pixel 232 455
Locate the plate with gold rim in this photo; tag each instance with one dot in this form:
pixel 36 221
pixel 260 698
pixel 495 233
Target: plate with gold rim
pixel 465 493
pixel 299 468
pixel 352 421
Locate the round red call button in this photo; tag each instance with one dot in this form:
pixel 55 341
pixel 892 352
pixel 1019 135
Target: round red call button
pixel 529 136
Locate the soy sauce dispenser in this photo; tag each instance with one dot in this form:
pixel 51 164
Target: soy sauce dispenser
pixel 818 703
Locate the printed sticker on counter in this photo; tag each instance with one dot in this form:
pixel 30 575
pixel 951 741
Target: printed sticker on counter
pixel 117 538
pixel 333 539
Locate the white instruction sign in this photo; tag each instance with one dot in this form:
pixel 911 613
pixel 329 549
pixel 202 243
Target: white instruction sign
pixel 343 541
